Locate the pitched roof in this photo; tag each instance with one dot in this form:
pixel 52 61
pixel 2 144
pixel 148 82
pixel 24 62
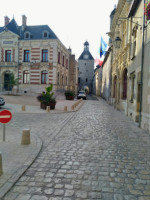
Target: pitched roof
pixel 13 26
pixel 85 52
pixel 36 32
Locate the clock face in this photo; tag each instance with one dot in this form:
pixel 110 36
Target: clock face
pixel 86 56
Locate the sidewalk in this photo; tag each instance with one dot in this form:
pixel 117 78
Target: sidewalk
pixel 14 105
pixel 17 158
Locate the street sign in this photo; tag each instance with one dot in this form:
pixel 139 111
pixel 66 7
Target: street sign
pixel 5 116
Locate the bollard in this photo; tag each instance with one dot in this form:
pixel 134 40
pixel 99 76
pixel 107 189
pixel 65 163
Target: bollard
pixel 48 108
pixel 23 107
pixel 65 108
pixel 1 166
pixel 25 137
pixel 72 107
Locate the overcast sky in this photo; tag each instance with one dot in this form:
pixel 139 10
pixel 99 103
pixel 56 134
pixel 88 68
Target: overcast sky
pixel 73 21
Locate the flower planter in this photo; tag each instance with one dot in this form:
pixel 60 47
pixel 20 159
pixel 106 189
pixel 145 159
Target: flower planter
pixel 147 11
pixel 69 97
pixel 43 105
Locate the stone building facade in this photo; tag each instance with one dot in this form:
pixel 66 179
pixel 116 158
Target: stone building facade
pixel 73 73
pixel 86 69
pixel 130 89
pixel 34 55
pixel 106 76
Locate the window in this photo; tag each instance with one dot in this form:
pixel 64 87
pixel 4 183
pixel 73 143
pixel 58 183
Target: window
pixel 44 55
pixel 132 76
pixel 26 56
pixel 67 63
pixel 63 60
pixel 133 45
pixel 58 57
pixel 45 34
pixel 86 80
pixel 124 94
pixel 26 77
pixel 27 35
pixel 8 56
pixel 44 77
pixel 62 80
pixel 79 80
pixel 58 78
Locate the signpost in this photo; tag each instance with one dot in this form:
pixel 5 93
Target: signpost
pixel 5 117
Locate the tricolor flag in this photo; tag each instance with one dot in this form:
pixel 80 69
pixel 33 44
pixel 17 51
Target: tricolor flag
pixel 103 47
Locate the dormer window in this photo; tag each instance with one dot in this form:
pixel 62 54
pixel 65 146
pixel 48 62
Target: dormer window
pixel 45 34
pixel 27 35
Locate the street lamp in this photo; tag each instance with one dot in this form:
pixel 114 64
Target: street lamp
pixel 117 42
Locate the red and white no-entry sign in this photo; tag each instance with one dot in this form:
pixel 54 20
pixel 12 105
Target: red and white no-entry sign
pixel 5 116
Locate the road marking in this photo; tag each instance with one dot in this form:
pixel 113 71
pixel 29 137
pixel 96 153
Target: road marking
pixel 5 116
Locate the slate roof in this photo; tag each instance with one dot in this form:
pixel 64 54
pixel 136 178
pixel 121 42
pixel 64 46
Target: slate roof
pixel 113 12
pixel 36 32
pixel 85 52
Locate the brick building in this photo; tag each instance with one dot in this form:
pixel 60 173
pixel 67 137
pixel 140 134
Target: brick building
pixel 35 56
pixel 73 73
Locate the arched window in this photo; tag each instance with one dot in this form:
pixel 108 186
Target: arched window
pixel 26 77
pixel 124 84
pixel 44 77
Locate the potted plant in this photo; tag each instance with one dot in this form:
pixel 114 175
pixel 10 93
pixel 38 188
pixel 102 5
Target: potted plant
pixel 69 95
pixel 147 11
pixel 46 98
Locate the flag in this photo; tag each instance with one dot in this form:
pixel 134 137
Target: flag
pixel 98 62
pixel 103 47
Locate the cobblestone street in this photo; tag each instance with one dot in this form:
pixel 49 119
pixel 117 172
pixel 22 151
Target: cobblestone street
pixel 94 153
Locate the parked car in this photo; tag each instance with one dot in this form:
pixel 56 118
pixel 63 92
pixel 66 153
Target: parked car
pixel 81 94
pixel 2 102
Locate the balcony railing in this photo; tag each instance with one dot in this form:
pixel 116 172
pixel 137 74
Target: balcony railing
pixel 8 64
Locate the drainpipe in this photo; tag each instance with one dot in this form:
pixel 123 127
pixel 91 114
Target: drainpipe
pixel 142 65
pixel 18 67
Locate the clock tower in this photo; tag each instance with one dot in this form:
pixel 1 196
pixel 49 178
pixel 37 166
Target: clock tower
pixel 86 69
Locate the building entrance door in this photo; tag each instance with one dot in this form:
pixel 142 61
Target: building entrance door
pixel 7 81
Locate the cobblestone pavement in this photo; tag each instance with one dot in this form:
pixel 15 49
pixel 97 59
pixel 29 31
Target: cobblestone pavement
pixel 95 153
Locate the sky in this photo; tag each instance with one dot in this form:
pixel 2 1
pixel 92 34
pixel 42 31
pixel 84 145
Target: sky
pixel 73 21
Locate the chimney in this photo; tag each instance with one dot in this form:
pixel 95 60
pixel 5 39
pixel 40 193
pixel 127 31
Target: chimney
pixel 6 20
pixel 24 22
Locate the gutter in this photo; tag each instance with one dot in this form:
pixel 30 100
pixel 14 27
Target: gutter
pixel 142 65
